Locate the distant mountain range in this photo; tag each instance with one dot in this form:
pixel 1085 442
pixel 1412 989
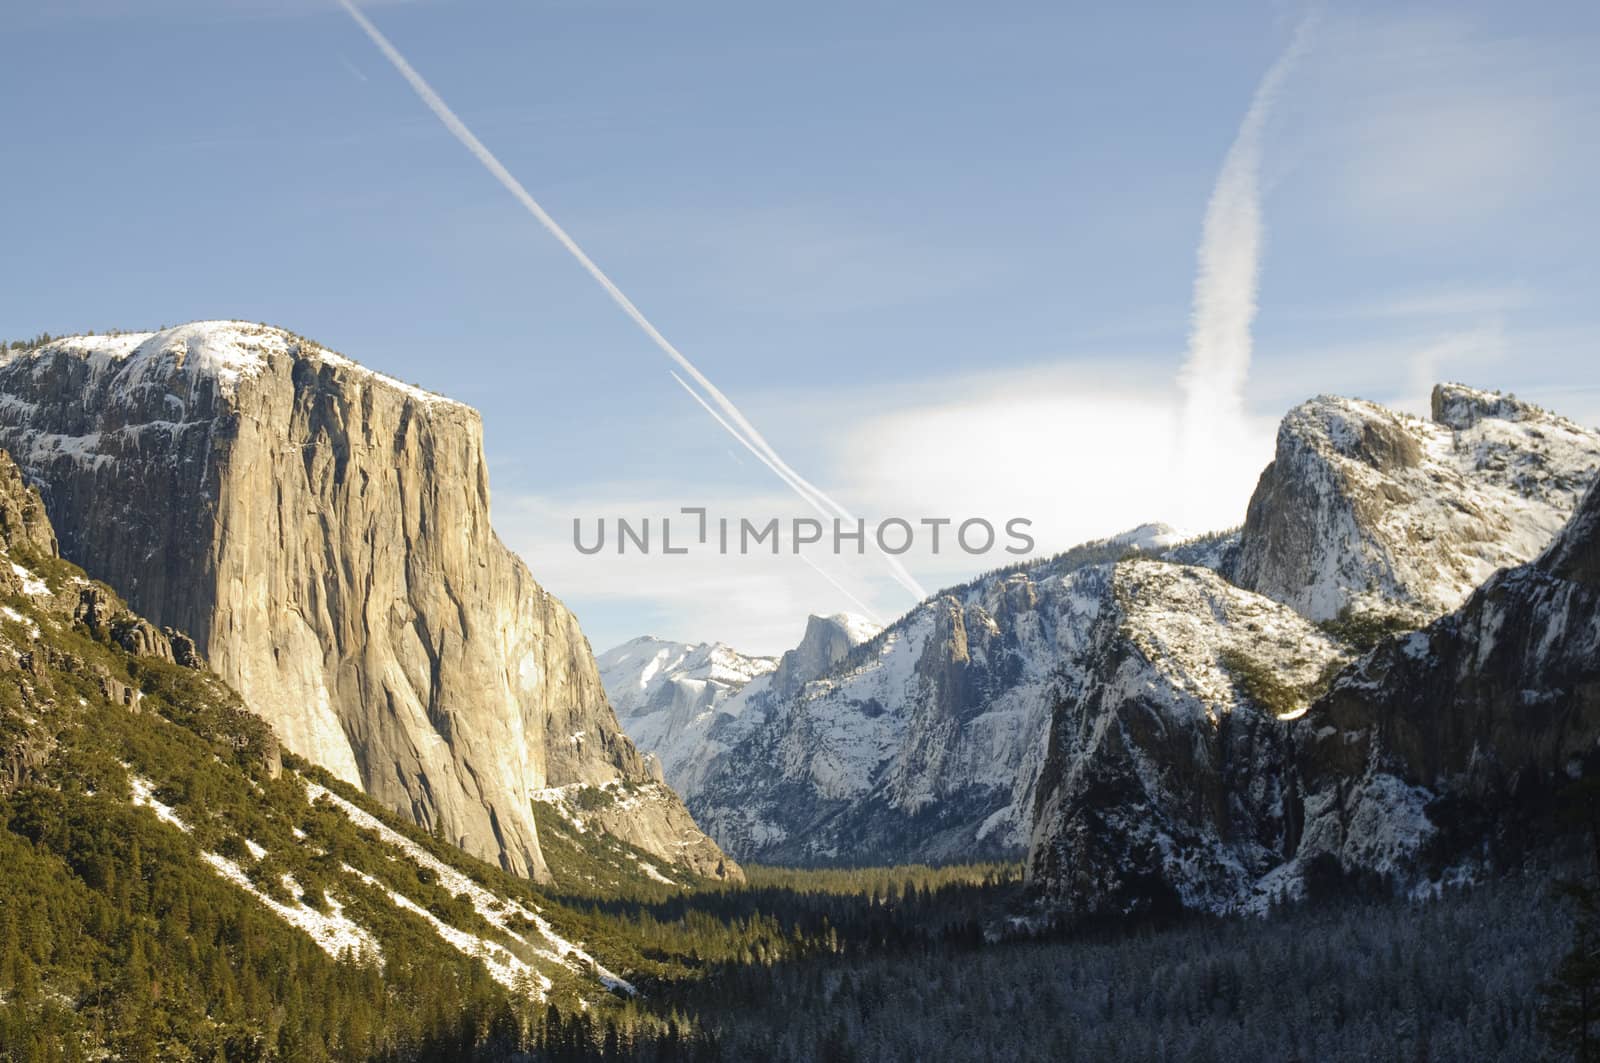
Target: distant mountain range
pixel 920 742
pixel 1161 725
pixel 298 761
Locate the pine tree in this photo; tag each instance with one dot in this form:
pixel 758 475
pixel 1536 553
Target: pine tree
pixel 1571 1007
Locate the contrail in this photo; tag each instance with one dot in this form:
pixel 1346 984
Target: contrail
pixel 746 432
pixel 695 395
pixel 866 610
pixel 1226 283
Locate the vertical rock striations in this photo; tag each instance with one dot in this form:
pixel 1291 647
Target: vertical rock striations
pixel 323 532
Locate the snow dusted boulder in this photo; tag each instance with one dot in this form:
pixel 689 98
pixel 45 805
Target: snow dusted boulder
pixel 1168 783
pixel 1439 752
pixel 1376 512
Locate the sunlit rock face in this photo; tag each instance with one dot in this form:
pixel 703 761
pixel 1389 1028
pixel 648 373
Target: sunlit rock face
pixel 1214 747
pixel 323 531
pixel 1371 511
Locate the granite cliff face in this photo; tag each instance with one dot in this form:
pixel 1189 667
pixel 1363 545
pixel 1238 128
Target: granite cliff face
pixel 1165 787
pixel 46 606
pixel 323 532
pixel 1374 512
pixel 1169 774
pixel 1453 740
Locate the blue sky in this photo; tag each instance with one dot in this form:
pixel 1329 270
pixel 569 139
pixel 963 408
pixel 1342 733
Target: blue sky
pixel 943 255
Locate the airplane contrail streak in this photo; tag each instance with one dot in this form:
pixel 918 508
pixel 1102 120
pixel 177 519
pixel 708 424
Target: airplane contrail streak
pixel 1228 279
pixel 747 432
pixel 695 395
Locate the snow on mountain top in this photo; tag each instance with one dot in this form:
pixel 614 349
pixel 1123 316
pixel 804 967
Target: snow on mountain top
pixel 649 673
pixel 1185 619
pixel 857 629
pixel 225 351
pixel 1373 510
pixel 1149 537
pixel 1460 406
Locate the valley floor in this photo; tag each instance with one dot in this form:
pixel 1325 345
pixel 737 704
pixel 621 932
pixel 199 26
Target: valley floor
pixel 1357 979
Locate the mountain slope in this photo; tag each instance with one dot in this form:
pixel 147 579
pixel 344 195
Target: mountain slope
pixel 1403 764
pixel 1476 721
pixel 323 531
pixel 667 694
pixel 170 888
pixel 1368 511
pixel 1167 784
pixel 923 744
pixel 683 703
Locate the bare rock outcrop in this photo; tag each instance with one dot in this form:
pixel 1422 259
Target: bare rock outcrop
pixel 322 532
pixel 1369 511
pixel 1443 751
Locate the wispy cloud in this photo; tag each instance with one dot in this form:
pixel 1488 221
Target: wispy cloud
pixel 1218 360
pixel 355 71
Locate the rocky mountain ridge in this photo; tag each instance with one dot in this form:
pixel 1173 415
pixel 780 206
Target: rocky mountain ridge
pixel 1374 769
pixel 1167 776
pixel 1033 708
pixel 1365 510
pixel 323 531
pixel 1476 721
pixel 686 703
pixel 922 743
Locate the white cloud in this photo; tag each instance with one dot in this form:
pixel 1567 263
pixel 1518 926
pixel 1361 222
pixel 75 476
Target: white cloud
pixel 1076 448
pixel 757 602
pixel 1081 456
pixel 1225 289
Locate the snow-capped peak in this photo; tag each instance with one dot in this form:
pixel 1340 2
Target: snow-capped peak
pixel 1149 537
pixel 857 629
pixel 227 352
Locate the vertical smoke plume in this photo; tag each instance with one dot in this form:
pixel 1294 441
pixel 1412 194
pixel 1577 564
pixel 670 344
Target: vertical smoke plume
pixel 732 419
pixel 1218 362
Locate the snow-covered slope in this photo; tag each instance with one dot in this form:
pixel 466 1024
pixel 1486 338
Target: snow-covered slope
pixel 922 744
pixel 1373 511
pixel 1440 753
pixel 680 702
pixel 1168 788
pixel 667 694
pixel 1167 777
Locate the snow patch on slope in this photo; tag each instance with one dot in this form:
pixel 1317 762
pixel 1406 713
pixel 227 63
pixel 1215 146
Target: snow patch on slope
pixel 334 932
pixel 227 352
pixel 497 911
